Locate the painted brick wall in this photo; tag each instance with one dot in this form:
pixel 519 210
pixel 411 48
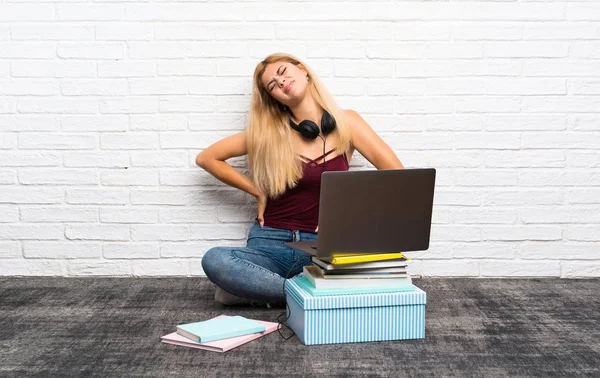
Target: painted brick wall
pixel 105 105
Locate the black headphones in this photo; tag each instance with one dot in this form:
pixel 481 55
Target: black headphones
pixel 310 130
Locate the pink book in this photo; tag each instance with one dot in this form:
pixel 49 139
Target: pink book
pixel 219 345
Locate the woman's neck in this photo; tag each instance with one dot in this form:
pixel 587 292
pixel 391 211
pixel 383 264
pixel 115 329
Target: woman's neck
pixel 307 109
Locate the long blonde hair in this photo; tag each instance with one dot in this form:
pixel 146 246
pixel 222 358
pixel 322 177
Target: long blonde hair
pixel 272 163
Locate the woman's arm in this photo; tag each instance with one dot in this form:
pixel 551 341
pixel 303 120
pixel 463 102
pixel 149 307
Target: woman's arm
pixel 370 145
pixel 212 159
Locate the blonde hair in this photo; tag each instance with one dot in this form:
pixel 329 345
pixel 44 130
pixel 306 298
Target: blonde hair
pixel 273 165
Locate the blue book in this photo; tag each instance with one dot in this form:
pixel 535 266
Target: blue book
pixel 219 328
pixel 307 286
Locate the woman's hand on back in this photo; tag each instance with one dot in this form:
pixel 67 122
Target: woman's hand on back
pixel 262 205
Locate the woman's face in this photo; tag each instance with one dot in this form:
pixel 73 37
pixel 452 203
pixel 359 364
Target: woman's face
pixel 277 78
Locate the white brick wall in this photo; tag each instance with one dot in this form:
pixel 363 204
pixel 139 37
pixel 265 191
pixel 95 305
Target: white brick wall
pixel 105 105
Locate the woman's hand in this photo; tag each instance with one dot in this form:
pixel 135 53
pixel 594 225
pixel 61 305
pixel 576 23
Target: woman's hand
pixel 262 205
pixel 317 229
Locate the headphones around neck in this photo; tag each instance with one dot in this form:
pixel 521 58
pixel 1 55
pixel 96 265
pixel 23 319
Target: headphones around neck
pixel 310 130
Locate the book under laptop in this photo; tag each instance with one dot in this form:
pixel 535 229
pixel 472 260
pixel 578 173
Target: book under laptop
pixel 373 211
pixel 366 266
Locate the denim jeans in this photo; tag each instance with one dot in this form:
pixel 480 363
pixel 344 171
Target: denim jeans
pixel 257 271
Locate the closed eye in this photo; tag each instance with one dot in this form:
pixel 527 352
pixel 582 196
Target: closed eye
pixel 273 86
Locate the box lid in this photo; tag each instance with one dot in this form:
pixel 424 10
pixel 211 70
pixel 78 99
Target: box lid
pixel 309 302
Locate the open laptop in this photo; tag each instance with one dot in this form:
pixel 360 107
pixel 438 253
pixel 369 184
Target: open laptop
pixel 373 211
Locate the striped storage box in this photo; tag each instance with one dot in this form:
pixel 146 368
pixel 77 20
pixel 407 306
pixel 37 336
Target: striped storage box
pixel 355 318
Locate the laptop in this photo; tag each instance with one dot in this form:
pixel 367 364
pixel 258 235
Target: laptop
pixel 373 211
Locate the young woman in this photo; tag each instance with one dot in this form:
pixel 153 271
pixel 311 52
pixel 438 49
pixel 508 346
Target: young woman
pixel 294 133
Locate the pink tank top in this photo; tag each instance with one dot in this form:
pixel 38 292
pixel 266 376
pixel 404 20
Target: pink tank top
pixel 298 208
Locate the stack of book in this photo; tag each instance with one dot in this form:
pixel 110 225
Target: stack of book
pixel 219 334
pixel 355 298
pixel 356 274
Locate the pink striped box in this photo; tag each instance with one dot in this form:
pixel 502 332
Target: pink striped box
pixel 335 319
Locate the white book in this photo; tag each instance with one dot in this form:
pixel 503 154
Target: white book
pixel 319 281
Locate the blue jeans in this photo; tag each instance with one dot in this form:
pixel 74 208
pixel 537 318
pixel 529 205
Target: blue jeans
pixel 257 271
